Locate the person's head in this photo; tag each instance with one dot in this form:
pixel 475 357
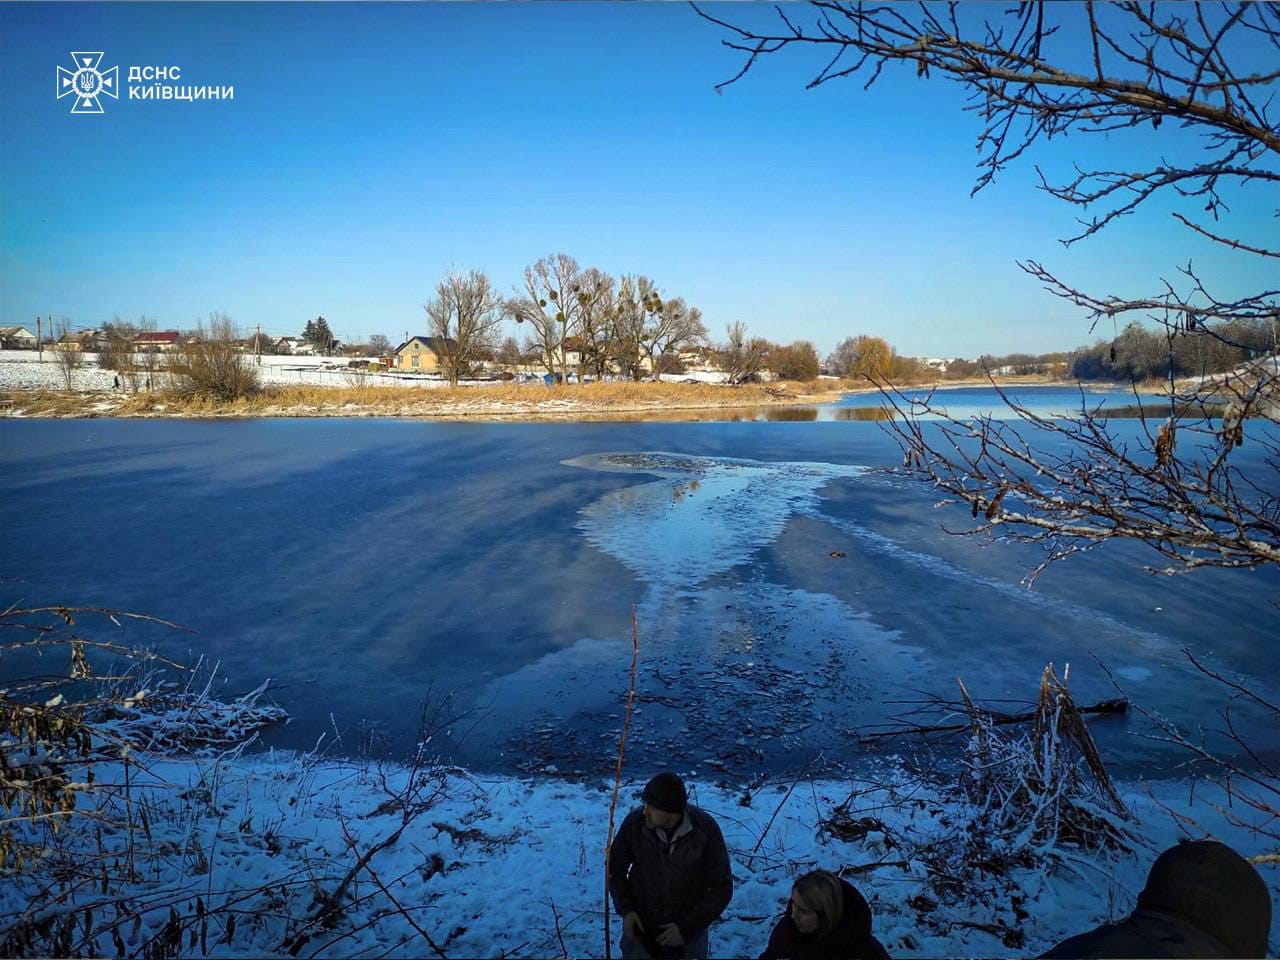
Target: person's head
pixel 1211 886
pixel 817 902
pixel 664 801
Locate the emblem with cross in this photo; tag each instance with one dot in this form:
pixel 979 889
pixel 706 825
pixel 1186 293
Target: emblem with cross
pixel 87 83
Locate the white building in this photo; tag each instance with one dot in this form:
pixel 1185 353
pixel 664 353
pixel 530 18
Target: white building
pixel 17 338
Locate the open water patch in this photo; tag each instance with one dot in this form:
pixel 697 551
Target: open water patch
pixel 703 516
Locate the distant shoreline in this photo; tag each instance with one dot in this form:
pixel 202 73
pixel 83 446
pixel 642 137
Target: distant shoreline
pixel 499 402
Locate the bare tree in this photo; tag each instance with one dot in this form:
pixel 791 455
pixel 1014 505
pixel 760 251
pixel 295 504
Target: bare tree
pixel 551 307
pixel 742 357
pixel 672 325
pixel 648 326
pixel 637 302
pixel 115 351
pixel 145 365
pixel 509 353
pixel 862 356
pixel 211 364
pixel 67 355
pixel 465 318
pixel 1211 72
pixel 795 361
pixel 379 346
pixel 597 315
pixel 261 343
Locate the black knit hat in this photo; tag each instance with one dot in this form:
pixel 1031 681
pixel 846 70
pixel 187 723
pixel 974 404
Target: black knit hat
pixel 666 792
pixel 1209 885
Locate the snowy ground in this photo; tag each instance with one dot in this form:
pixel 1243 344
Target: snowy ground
pixel 491 865
pixel 26 370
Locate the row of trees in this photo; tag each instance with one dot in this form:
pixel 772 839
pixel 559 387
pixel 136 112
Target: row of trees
pixel 114 341
pixel 322 340
pixel 582 320
pixel 118 352
pixel 579 320
pixel 211 362
pixel 467 317
pixel 1137 353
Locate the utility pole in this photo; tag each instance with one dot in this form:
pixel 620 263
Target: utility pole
pixel 39 340
pixel 257 344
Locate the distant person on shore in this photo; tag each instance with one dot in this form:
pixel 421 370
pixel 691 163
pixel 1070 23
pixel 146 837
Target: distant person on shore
pixel 826 919
pixel 1202 899
pixel 669 874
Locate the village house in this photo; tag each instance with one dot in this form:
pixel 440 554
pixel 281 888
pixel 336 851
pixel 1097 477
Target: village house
pixel 81 340
pixel 156 341
pixel 298 347
pixel 17 338
pixel 574 351
pixel 701 359
pixel 422 354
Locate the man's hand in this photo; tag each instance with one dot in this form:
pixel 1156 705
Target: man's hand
pixel 670 936
pixel 630 924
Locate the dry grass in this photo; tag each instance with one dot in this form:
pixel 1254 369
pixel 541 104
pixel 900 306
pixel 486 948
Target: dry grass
pixel 498 400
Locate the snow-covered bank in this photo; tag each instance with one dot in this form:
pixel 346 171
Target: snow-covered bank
pixel 29 370
pixel 492 865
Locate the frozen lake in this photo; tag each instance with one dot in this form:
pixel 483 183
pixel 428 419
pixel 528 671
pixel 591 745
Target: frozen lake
pixel 362 564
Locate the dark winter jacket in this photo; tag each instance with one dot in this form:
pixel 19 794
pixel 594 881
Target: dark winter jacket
pixel 851 939
pixel 1202 899
pixel 686 882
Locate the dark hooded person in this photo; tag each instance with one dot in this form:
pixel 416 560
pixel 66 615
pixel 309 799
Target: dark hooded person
pixel 669 874
pixel 1202 899
pixel 826 919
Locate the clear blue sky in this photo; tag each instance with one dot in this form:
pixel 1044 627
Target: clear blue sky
pixel 370 147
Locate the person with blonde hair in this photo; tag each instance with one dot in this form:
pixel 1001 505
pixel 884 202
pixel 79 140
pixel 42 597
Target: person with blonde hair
pixel 826 919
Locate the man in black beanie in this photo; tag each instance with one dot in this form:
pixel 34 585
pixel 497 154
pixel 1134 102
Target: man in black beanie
pixel 1202 899
pixel 668 874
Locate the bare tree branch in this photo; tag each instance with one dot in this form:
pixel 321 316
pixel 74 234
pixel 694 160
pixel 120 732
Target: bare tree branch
pixel 1036 73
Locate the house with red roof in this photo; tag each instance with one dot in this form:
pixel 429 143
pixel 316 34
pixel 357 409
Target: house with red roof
pixel 157 340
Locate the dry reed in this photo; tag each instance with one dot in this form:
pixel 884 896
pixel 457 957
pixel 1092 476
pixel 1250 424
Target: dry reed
pixel 360 399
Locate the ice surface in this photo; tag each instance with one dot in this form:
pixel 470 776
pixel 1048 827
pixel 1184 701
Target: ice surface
pixel 704 516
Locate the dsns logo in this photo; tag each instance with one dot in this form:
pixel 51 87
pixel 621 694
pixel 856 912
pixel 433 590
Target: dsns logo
pixel 87 83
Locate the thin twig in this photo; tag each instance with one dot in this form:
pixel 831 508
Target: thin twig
pixel 368 868
pixel 787 796
pixel 617 773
